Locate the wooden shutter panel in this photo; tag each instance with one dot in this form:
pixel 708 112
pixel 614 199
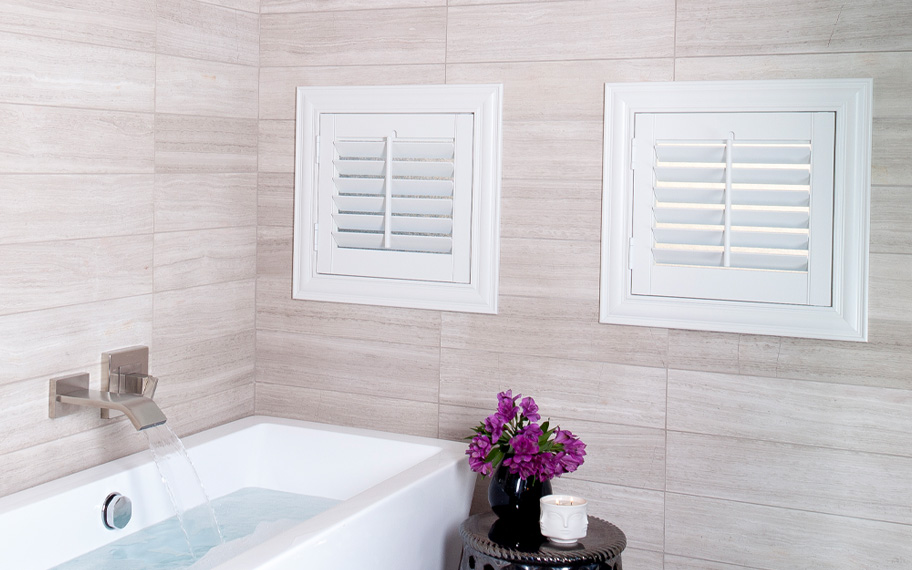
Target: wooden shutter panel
pixel 733 206
pixel 395 196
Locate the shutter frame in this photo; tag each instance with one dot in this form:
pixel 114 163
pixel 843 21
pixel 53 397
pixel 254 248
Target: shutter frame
pixel 846 317
pixel 473 286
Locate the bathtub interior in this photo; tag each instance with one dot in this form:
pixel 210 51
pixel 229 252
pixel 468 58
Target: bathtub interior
pixel 357 467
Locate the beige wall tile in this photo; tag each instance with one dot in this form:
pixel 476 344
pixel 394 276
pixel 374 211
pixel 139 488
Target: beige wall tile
pixel 476 2
pixel 558 329
pixel 62 456
pixel 189 28
pixel 371 412
pixel 274 251
pixel 891 208
pixel 556 150
pixel 636 559
pixel 25 422
pixel 615 393
pixel 892 148
pixel 285 6
pixel 682 563
pixel 891 82
pixel 376 368
pixel 204 201
pixel 57 341
pixel 559 90
pixel 275 199
pixel 204 144
pixel 890 287
pixel 44 71
pixel 277 311
pixel 194 87
pixel 59 207
pixel 201 257
pixel 725 28
pixel 245 5
pixel 549 268
pixel 195 370
pixel 456 423
pixel 701 350
pixel 56 140
pixel 278 84
pixel 620 455
pixel 801 412
pixel 883 361
pixel 126 23
pixel 583 29
pixel 276 146
pixel 216 408
pixel 793 476
pixel 551 209
pixel 780 538
pixel 202 313
pixel 36 276
pixel 639 513
pixel 360 37
pixel 759 355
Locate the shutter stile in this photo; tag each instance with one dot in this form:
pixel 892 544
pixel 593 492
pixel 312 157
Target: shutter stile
pixel 420 217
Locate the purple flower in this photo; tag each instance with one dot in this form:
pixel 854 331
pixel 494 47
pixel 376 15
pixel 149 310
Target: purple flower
pixel 524 446
pixel 494 425
pixel 530 409
pixel 548 467
pixel 478 450
pixel 573 452
pixel 506 405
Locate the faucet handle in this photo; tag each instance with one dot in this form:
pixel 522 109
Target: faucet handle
pixel 149 386
pixel 139 384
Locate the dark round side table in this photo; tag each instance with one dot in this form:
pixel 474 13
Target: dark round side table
pixel 489 544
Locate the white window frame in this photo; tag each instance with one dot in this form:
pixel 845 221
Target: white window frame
pixel 850 100
pixel 484 102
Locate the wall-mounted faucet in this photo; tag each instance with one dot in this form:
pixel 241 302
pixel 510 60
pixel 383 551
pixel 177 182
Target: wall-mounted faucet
pixel 126 386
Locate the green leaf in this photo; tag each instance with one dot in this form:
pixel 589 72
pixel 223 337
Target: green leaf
pixel 495 457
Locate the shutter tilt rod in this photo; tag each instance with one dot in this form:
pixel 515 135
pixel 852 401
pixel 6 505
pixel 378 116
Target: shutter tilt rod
pixel 388 186
pixel 726 234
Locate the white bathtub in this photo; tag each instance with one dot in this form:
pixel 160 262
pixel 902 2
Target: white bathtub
pixel 403 498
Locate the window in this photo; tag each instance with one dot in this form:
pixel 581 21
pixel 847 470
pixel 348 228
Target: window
pixel 738 206
pixel 397 196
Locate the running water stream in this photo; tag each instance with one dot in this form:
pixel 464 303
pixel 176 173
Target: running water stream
pixel 185 489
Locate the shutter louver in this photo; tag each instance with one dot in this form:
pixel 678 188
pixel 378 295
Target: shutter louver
pixel 725 201
pixel 768 197
pixel 421 194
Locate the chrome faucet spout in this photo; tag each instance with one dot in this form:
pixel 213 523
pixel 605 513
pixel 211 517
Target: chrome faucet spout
pixel 69 391
pixel 142 412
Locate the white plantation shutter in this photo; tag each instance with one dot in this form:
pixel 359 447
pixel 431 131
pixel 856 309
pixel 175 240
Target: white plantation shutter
pixel 733 206
pixel 395 196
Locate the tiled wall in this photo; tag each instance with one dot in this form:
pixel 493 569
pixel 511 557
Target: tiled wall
pixel 712 451
pixel 128 176
pixel 144 143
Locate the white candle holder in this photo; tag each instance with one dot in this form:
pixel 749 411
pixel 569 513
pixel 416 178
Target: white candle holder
pixel 563 518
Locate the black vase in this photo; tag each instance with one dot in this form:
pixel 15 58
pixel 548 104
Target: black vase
pixel 515 499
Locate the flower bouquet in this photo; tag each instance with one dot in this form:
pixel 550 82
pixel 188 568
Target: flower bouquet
pixel 521 456
pixel 512 437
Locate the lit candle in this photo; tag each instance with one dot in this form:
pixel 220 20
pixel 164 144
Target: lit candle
pixel 563 518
